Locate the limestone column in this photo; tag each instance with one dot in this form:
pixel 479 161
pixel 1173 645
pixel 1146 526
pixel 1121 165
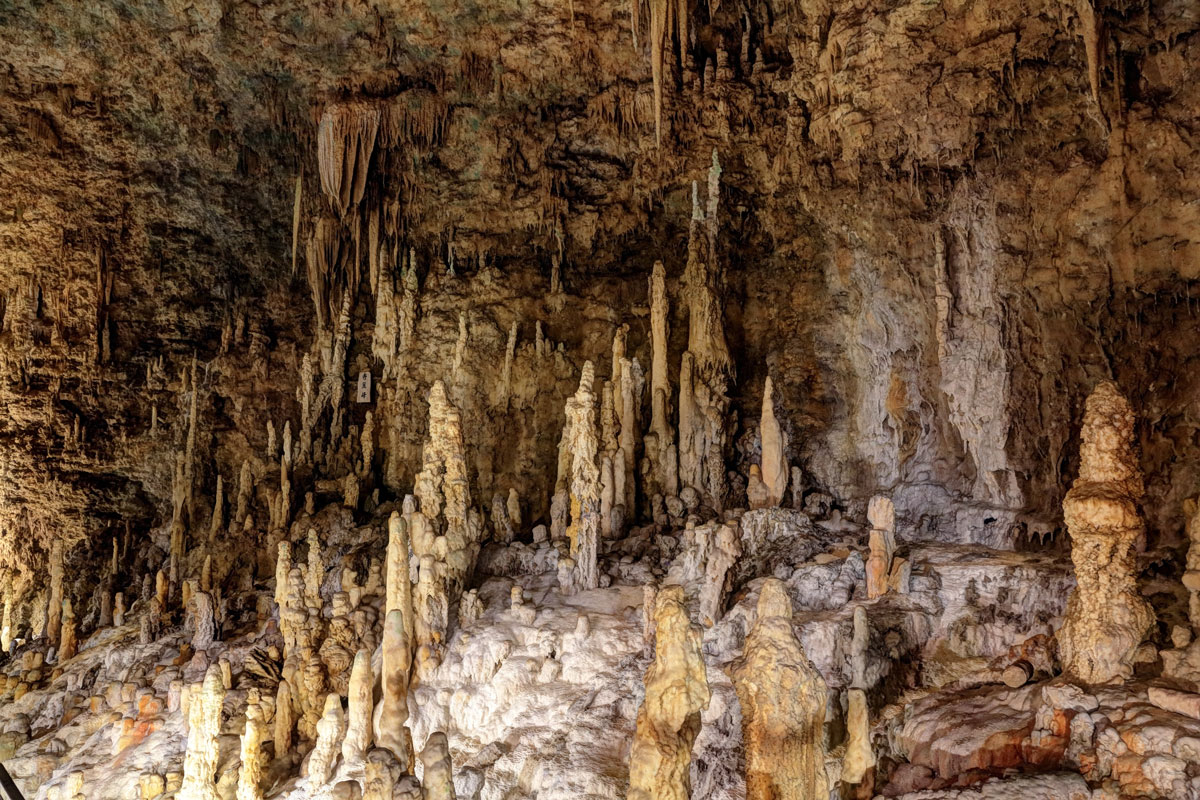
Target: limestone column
pixel 1106 617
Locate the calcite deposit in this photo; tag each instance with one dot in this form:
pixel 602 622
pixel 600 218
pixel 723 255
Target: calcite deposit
pixel 599 401
pixel 1106 617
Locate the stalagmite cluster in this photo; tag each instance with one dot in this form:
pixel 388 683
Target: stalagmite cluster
pixel 706 368
pixel 1106 617
pixel 675 411
pixel 676 693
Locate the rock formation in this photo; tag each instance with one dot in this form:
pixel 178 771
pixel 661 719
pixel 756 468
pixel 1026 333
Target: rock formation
pixel 881 514
pixel 1106 617
pixel 204 726
pixel 585 485
pixel 774 471
pixel 438 780
pixel 783 706
pixel 250 776
pixel 448 337
pixel 676 693
pixel 392 712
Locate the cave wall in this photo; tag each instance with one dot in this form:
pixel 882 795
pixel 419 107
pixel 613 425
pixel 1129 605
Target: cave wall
pixel 152 150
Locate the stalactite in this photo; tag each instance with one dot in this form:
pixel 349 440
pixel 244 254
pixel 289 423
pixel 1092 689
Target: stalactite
pixel 345 142
pixel 658 34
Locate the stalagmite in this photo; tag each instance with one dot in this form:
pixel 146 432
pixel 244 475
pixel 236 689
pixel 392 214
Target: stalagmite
pixel 584 530
pixel 250 775
pixel 6 624
pixel 245 492
pixel 460 350
pixel 204 726
pixel 55 605
pixel 676 694
pixel 660 443
pixel 446 558
pixel 283 565
pixel 881 513
pixel 706 368
pixel 391 715
pixel 438 780
pixel 628 413
pixel 358 722
pixel 202 614
pixel 510 351
pixel 1191 578
pixel 215 521
pixel 774 446
pixel 723 551
pixel 859 756
pixel 399 584
pixel 67 642
pixel 315 574
pixel 330 729
pixel 284 723
pixel 513 507
pixel 1106 617
pixel 783 706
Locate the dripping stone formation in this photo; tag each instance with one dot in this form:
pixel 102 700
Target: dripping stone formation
pixel 600 401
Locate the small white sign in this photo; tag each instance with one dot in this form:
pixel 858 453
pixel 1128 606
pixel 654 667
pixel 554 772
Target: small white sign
pixel 364 387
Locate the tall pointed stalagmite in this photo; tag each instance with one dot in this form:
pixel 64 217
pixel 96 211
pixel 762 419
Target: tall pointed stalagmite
pixel 584 530
pixel 1106 617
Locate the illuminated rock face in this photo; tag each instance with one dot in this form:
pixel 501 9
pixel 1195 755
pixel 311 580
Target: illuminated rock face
pixel 1106 617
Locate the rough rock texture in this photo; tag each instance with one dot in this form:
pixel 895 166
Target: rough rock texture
pixel 669 719
pixel 783 701
pixel 1106 617
pixel 275 274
